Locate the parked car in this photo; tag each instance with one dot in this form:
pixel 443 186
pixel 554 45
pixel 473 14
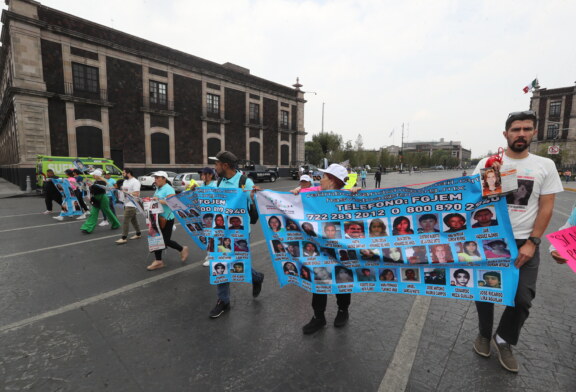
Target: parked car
pixel 257 172
pixel 182 180
pixel 147 181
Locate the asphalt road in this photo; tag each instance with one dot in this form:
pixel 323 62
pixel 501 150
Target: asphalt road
pixel 79 312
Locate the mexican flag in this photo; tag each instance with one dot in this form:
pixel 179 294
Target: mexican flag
pixel 531 86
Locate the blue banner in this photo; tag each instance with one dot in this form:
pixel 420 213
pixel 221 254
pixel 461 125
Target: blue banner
pixel 442 240
pixel 70 204
pixel 218 222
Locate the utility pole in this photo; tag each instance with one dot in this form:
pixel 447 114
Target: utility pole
pixel 402 150
pixel 322 131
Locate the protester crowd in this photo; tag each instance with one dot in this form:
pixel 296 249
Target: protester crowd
pixel 528 225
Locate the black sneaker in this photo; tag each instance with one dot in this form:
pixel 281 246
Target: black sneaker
pixel 314 325
pixel 341 318
pixel 257 287
pixel 219 309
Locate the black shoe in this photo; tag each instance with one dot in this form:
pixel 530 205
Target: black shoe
pixel 257 287
pixel 341 318
pixel 315 325
pixel 219 309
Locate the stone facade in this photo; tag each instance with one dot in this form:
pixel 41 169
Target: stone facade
pixel 556 109
pixel 48 58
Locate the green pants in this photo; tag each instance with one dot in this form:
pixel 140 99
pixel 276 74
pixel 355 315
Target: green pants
pixel 90 223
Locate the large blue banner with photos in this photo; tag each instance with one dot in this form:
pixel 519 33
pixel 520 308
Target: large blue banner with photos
pixel 442 240
pixel 70 204
pixel 218 222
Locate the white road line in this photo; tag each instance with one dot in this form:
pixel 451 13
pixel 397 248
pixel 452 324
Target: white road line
pixel 103 296
pixel 48 224
pixel 398 372
pixel 13 216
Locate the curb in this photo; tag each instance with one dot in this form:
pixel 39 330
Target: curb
pixel 570 189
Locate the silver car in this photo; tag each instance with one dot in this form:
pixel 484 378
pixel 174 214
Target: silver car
pixel 147 181
pixel 182 180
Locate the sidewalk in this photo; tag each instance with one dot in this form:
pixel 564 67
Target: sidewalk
pixel 7 189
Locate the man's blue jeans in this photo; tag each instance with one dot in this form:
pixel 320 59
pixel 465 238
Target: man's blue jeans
pixel 224 288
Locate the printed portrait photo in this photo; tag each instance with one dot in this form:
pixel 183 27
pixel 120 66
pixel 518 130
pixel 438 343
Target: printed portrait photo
pixel 235 223
pixel 484 217
pixel 496 249
pixel 208 220
pixel 237 268
pixel 468 251
pixel 219 221
pixel 309 249
pixel 378 228
pixel 366 274
pixel 276 224
pixel 328 252
pixel 225 245
pixel 461 277
pixel 441 254
pixel 210 245
pixel 489 279
pixel 219 268
pixel 521 195
pixel 388 275
pixel 310 228
pixel 411 275
pixel 428 223
pixel 370 254
pixel 240 245
pixel 322 275
pixel 305 273
pixel 289 268
pixel 293 248
pixel 291 225
pixel 343 275
pixel 491 181
pixel 392 255
pixel 331 230
pixel 354 229
pixel 454 222
pixel 192 212
pixel 416 255
pixel 278 247
pixel 435 276
pixel 402 225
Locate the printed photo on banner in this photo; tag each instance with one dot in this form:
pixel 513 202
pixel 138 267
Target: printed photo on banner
pixel 354 230
pixel 343 275
pixel 461 277
pixel 392 255
pixel 370 254
pixel 219 222
pixel 491 181
pixel 305 273
pixel 276 224
pixel 329 252
pixel 310 229
pixel 322 275
pixel 291 225
pixel 521 196
pixel 331 230
pixel 490 279
pixel 309 249
pixel 241 245
pixel 428 223
pixel 484 217
pixel 235 223
pixel 402 225
pixel 454 222
pixel 388 275
pixel 411 275
pixel 366 274
pixel 278 247
pixel 496 249
pixel 289 268
pixel 441 254
pixel 293 248
pixel 237 268
pixel 416 255
pixel 219 268
pixel 378 228
pixel 225 245
pixel 468 251
pixel 208 220
pixel 436 276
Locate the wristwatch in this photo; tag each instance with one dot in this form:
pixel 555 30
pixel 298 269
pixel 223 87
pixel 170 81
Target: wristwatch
pixel 535 240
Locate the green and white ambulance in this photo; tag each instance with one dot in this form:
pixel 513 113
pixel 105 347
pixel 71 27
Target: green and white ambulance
pixel 60 164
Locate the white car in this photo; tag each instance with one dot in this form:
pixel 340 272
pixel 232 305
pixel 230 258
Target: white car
pixel 147 181
pixel 182 180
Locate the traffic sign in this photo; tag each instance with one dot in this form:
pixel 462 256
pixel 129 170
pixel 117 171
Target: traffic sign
pixel 552 150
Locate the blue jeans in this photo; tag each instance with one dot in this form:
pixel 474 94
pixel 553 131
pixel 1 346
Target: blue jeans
pixel 224 288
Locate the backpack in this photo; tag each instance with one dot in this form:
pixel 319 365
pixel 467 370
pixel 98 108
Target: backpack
pixel 252 211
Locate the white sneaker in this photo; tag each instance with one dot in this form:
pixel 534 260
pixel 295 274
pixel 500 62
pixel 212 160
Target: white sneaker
pixel 103 223
pixel 173 228
pixel 83 216
pixel 87 213
pixel 47 212
pixel 206 262
pixel 58 218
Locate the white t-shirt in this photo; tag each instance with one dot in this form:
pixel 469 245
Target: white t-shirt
pixel 536 176
pixel 131 185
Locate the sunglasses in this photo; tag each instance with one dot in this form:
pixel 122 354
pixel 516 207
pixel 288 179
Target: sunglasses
pixel 524 113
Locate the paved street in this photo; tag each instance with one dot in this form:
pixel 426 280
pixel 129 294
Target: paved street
pixel 80 313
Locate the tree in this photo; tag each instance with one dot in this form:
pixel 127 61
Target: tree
pixel 329 143
pixel 313 152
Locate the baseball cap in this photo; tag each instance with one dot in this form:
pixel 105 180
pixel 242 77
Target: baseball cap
pixel 305 177
pixel 97 172
pixel 160 174
pixel 337 171
pixel 207 170
pixel 225 157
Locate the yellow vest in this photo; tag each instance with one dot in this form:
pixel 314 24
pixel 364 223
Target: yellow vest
pixel 191 185
pixel 352 178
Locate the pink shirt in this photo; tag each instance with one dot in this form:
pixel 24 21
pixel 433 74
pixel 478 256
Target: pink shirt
pixel 73 183
pixel 311 189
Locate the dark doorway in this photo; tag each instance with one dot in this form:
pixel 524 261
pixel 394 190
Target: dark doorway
pixel 214 147
pixel 255 152
pixel 117 156
pixel 284 155
pixel 160 148
pixel 89 142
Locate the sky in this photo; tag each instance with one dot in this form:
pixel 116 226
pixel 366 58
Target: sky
pixel 446 69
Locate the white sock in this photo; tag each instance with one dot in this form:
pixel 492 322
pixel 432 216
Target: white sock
pixel 499 340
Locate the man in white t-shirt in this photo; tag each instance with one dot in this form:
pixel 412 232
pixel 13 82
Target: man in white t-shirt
pixel 131 186
pixel 530 209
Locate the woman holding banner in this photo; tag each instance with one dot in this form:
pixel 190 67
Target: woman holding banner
pixel 99 202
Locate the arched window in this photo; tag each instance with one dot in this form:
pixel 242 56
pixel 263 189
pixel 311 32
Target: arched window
pixel 89 142
pixel 214 146
pixel 255 152
pixel 284 154
pixel 160 148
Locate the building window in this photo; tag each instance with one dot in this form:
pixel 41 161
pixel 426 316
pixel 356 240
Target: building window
pixel 284 155
pixel 283 118
pixel 254 114
pixel 85 78
pixel 89 142
pixel 555 108
pixel 213 104
pixel 214 146
pixel 160 143
pixel 454 153
pixel 552 131
pixel 158 93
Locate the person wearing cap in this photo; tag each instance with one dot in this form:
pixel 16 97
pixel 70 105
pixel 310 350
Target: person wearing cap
pixel 305 181
pixel 99 202
pixel 166 220
pixel 226 168
pixel 335 177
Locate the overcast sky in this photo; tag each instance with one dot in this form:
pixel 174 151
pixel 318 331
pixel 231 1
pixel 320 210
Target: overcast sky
pixel 451 69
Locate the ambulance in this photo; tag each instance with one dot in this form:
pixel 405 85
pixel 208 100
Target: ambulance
pixel 86 165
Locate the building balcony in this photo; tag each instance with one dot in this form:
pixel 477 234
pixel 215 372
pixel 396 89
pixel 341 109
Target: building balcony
pixel 94 95
pixel 157 105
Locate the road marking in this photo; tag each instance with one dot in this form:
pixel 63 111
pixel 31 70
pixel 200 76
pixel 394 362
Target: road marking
pixel 398 372
pixel 103 296
pixel 13 216
pixel 49 224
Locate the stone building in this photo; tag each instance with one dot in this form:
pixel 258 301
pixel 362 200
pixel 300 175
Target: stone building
pixel 454 148
pixel 556 109
pixel 71 87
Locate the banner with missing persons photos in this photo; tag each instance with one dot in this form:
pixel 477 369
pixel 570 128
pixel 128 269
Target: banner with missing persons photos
pixel 443 240
pixel 218 222
pixel 70 204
